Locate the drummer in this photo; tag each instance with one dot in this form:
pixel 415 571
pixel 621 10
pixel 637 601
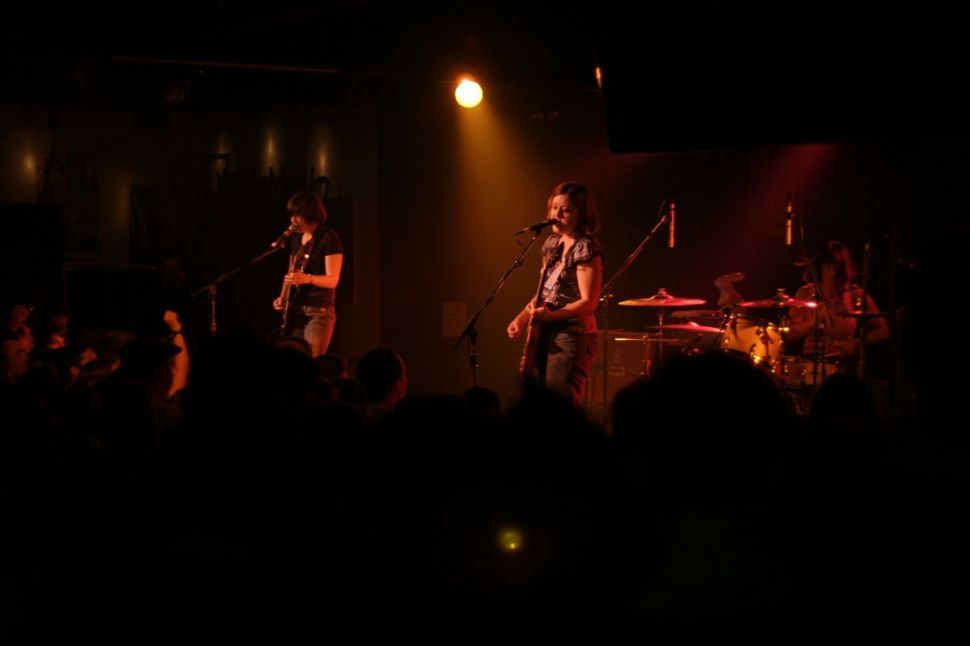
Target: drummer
pixel 838 310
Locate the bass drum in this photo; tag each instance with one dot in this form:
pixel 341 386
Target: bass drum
pixel 799 372
pixel 755 339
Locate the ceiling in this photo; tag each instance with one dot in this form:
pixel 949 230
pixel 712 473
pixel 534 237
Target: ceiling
pixel 678 69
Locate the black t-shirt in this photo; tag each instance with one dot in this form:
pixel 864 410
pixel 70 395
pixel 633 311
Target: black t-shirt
pixel 325 242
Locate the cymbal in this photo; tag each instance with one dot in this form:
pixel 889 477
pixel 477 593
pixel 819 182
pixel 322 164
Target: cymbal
pixel 670 302
pixel 776 303
pixel 692 327
pixel 662 299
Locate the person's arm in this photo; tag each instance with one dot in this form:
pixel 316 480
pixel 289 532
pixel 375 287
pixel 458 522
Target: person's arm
pixel 518 324
pixel 278 301
pixel 589 276
pixel 801 320
pixel 180 374
pixel 333 262
pixel 521 320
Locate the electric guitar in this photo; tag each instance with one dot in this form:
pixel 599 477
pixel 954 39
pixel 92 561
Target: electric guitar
pixel 531 345
pixel 298 262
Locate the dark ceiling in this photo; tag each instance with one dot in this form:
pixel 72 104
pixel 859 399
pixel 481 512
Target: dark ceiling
pixel 692 78
pixel 509 41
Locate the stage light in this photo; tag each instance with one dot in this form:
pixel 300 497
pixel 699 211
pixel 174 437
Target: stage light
pixel 510 540
pixel 468 93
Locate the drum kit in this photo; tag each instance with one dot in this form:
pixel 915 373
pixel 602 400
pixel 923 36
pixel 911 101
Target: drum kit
pixel 753 330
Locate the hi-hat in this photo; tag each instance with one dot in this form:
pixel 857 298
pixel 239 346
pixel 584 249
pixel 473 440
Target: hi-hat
pixel 662 299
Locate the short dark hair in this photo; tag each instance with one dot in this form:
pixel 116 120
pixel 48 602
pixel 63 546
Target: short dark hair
pixel 308 205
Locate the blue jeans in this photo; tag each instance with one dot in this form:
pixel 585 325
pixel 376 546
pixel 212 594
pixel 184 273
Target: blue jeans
pixel 564 360
pixel 316 325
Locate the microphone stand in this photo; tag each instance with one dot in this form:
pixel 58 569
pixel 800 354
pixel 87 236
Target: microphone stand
pixel 606 296
pixel 470 330
pixel 212 288
pixel 861 326
pixel 820 303
pixel 893 329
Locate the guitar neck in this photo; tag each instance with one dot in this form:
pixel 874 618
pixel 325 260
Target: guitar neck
pixel 530 347
pixel 298 262
pixel 285 290
pixel 285 298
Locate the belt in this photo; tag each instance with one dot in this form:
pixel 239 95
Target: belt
pixel 309 310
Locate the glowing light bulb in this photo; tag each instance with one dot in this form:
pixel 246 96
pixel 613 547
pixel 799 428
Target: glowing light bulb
pixel 468 93
pixel 510 540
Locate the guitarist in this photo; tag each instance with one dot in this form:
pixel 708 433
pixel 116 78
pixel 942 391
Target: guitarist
pixel 560 321
pixel 309 290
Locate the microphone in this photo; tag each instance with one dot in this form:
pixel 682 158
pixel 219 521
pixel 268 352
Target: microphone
pixel 283 236
pixel 789 216
pixel 536 228
pixel 672 226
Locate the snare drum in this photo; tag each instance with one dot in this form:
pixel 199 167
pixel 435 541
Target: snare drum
pixel 758 340
pixel 797 371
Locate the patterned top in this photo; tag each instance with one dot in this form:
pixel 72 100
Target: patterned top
pixel 562 286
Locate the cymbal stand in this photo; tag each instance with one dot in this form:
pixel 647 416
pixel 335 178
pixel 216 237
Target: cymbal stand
pixel 819 326
pixel 660 338
pixel 606 295
pixel 861 326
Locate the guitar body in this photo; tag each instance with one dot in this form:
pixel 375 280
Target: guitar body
pixel 527 365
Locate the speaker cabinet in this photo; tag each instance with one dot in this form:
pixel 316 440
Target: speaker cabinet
pixel 630 356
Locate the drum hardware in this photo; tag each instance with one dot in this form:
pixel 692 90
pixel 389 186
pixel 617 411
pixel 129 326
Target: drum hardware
pixel 651 353
pixel 662 300
pixel 799 372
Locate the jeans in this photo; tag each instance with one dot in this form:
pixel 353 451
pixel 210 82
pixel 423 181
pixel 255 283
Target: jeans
pixel 316 325
pixel 564 361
